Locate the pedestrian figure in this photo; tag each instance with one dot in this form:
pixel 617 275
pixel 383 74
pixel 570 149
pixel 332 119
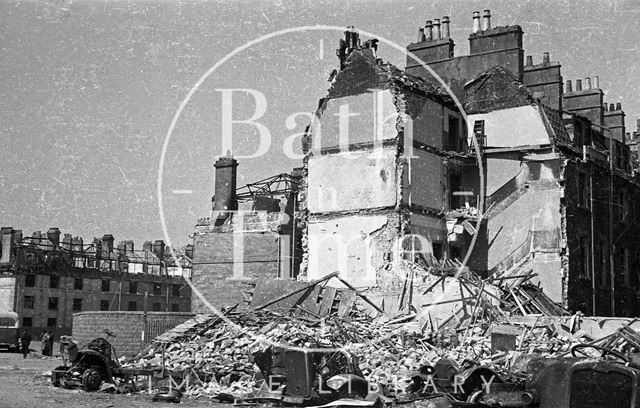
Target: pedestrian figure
pixel 44 342
pixel 25 341
pixel 49 345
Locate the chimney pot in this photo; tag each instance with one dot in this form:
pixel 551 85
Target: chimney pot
pixel 445 27
pixel 612 107
pixel 529 61
pixel 421 36
pixel 476 21
pixel 578 85
pixel 596 82
pixel 428 30
pixel 587 83
pixel 436 29
pixel 545 59
pixel 568 87
pixel 619 106
pixel 486 20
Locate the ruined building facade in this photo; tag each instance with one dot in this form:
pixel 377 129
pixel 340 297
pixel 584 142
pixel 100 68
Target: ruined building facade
pixel 46 278
pixel 495 163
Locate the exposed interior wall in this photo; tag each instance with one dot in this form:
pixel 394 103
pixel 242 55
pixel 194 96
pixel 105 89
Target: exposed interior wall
pixel 352 180
pixel 354 245
pixel 428 183
pixel 502 168
pixel 354 119
pixel 520 126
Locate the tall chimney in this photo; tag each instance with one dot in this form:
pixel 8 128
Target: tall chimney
pixel 486 20
pixel 587 83
pixel 596 82
pixel 436 29
pixel 428 30
pixel 421 36
pixel 225 186
pixel 612 107
pixel 445 27
pixel 606 107
pixel 545 59
pixel 529 61
pixel 578 85
pixel 618 106
pixel 568 88
pixel 476 21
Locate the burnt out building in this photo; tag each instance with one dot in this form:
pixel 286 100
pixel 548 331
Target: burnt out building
pixel 46 278
pixel 249 235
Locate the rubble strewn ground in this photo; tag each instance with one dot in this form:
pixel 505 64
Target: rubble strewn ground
pixel 390 350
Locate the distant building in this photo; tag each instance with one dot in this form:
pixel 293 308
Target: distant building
pixel 46 279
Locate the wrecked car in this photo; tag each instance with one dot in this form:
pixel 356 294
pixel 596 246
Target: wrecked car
pixel 89 367
pixel 610 379
pixel 302 376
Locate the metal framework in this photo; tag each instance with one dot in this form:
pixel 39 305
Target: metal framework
pixel 279 184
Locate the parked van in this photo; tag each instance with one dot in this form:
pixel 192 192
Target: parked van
pixel 9 331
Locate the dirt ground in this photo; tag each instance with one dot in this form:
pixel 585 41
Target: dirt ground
pixel 24 383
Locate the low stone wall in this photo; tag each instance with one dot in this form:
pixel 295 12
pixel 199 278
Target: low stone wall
pixel 129 328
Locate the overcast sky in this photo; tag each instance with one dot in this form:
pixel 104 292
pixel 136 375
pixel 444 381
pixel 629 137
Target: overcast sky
pixel 88 90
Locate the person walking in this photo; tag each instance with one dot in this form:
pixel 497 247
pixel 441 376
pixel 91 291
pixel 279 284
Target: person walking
pixel 25 341
pixel 44 342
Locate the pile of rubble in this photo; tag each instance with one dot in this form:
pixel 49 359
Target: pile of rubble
pixel 389 350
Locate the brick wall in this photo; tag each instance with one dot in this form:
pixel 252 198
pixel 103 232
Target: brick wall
pixel 128 327
pixel 213 267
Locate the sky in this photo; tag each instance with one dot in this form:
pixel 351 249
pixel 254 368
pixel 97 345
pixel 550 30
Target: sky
pixel 89 90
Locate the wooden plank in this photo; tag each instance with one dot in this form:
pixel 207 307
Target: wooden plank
pixel 328 296
pixel 347 300
pixel 310 300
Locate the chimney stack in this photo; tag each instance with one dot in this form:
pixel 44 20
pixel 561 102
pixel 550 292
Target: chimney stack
pixel 612 107
pixel 596 82
pixel 445 27
pixel 545 59
pixel 619 106
pixel 428 30
pixel 587 83
pixel 225 186
pixel 158 248
pixel 529 61
pixel 53 235
pixel 486 20
pixel 436 29
pixel 578 85
pixel 476 21
pixel 421 36
pixel 107 246
pixel 568 88
pixel 606 107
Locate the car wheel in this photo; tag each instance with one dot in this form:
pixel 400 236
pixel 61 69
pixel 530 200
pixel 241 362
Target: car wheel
pixel 55 377
pixel 91 379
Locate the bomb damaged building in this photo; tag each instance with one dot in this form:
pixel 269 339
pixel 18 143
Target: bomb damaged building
pixel 511 173
pixel 47 277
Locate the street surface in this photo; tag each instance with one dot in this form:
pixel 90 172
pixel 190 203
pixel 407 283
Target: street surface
pixel 24 383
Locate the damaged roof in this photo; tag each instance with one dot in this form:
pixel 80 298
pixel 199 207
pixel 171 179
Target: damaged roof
pixel 495 89
pixel 364 73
